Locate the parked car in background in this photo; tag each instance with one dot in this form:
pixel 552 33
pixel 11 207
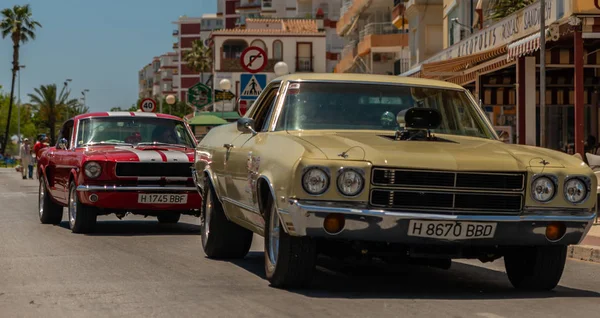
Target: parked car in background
pixel 401 169
pixel 115 163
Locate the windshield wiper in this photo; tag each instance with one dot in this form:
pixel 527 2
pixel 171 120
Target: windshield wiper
pixel 105 143
pixel 156 143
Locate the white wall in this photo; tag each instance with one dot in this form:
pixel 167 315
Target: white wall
pixel 426 32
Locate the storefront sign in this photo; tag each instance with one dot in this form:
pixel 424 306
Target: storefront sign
pixel 506 31
pixel 586 6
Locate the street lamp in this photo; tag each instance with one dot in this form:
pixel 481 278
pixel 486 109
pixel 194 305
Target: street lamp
pixel 170 100
pixel 281 68
pixel 225 85
pixel 83 93
pixel 19 108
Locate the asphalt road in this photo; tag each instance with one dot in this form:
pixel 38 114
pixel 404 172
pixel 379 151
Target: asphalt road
pixel 136 268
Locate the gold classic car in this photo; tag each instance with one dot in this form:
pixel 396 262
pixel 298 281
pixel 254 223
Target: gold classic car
pixel 398 169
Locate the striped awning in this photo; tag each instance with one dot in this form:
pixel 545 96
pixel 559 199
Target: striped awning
pixel 460 65
pixel 523 46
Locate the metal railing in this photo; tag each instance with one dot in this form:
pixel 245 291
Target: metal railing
pixel 379 28
pixel 349 49
pixel 175 32
pixel 267 4
pixel 304 64
pixel 334 47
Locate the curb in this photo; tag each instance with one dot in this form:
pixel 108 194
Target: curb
pixel 584 252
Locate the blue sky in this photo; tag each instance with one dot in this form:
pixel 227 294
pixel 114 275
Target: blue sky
pixel 100 45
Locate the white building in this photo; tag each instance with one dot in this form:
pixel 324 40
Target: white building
pixel 300 43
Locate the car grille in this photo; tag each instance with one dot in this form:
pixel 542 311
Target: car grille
pixel 444 179
pixel 444 190
pixel 152 169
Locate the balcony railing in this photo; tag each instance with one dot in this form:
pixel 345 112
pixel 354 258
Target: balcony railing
pixel 331 47
pixel 378 28
pixel 233 65
pixel 175 32
pixel 267 4
pixel 304 64
pixel 175 46
pixel 349 49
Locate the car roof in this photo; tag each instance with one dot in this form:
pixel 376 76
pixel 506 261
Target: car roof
pixel 368 78
pixel 126 114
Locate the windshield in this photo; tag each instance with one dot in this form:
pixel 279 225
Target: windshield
pixel 354 106
pixel 132 131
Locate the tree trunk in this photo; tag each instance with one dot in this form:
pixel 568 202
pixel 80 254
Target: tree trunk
pixel 12 95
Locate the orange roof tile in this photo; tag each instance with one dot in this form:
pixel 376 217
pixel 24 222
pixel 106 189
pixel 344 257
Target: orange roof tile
pixel 288 27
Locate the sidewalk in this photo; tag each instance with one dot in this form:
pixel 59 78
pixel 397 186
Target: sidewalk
pixel 589 249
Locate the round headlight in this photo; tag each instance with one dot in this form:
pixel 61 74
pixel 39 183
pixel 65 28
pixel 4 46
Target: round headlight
pixel 543 189
pixel 92 169
pixel 315 181
pixel 350 182
pixel 575 190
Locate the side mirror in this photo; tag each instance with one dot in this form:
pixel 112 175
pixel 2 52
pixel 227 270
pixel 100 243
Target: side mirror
pixel 246 125
pixel 62 143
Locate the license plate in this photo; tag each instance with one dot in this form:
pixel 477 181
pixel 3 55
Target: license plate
pixel 451 230
pixel 156 198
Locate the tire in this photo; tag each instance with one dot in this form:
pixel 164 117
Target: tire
pixel 536 268
pixel 221 238
pixel 82 218
pixel 294 264
pixel 49 211
pixel 170 218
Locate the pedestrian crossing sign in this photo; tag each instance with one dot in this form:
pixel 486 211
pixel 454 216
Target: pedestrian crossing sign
pixel 252 85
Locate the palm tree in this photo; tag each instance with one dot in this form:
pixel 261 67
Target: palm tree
pixel 498 9
pixel 51 107
pixel 199 58
pixel 17 23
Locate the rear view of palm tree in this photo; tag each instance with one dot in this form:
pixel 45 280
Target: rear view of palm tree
pixel 499 9
pixel 51 107
pixel 17 23
pixel 199 58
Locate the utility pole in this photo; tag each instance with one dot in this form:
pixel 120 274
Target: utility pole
pixel 19 108
pixel 543 73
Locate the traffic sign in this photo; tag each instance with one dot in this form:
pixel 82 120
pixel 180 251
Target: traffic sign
pixel 243 108
pixel 199 95
pixel 254 59
pixel 223 95
pixel 148 105
pixel 252 85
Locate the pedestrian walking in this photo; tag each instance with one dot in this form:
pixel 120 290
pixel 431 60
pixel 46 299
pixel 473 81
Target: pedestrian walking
pixel 26 159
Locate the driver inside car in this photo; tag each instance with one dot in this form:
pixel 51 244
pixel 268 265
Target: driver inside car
pixel 164 135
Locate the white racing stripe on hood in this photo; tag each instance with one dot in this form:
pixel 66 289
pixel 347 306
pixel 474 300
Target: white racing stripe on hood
pixel 146 155
pixel 175 156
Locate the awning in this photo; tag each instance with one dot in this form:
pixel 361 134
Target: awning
pixel 523 46
pixel 460 65
pixel 207 120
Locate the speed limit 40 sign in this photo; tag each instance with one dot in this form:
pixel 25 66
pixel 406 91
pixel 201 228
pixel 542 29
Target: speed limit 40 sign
pixel 148 105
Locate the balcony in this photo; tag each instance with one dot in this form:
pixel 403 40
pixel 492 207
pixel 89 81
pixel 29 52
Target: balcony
pixel 175 32
pixel 349 50
pixel 267 4
pixel 383 41
pixel 175 46
pixel 349 14
pixel 233 65
pixel 398 18
pixel 304 64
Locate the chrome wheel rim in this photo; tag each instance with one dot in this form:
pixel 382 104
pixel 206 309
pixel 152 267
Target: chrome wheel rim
pixel 42 195
pixel 274 229
pixel 206 215
pixel 72 207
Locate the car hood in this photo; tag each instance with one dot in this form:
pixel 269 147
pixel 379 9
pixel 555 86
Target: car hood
pixel 140 154
pixel 461 153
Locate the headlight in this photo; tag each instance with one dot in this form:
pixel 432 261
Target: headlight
pixel 575 190
pixel 315 181
pixel 350 182
pixel 92 169
pixel 543 189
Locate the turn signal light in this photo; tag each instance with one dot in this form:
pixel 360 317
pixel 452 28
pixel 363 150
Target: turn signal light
pixel 555 231
pixel 334 223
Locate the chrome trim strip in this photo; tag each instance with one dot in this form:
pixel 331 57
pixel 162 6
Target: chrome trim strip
pixel 426 216
pixel 240 204
pixel 66 167
pixel 84 188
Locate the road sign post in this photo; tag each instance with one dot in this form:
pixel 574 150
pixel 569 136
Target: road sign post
pixel 254 59
pixel 148 105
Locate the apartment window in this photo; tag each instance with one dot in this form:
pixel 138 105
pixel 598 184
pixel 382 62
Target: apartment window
pixel 277 50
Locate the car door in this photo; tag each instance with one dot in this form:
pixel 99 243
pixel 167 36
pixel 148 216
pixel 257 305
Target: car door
pixel 243 161
pixel 61 162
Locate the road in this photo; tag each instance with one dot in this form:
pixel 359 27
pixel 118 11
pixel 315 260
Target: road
pixel 136 268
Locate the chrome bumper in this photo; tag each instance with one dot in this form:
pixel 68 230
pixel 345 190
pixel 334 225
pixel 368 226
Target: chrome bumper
pixel 304 219
pixel 87 188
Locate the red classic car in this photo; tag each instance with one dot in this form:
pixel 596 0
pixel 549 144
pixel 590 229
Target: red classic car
pixel 118 162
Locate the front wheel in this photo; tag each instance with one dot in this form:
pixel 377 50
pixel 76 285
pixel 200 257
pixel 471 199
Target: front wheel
pixel 49 211
pixel 535 268
pixel 289 260
pixel 82 218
